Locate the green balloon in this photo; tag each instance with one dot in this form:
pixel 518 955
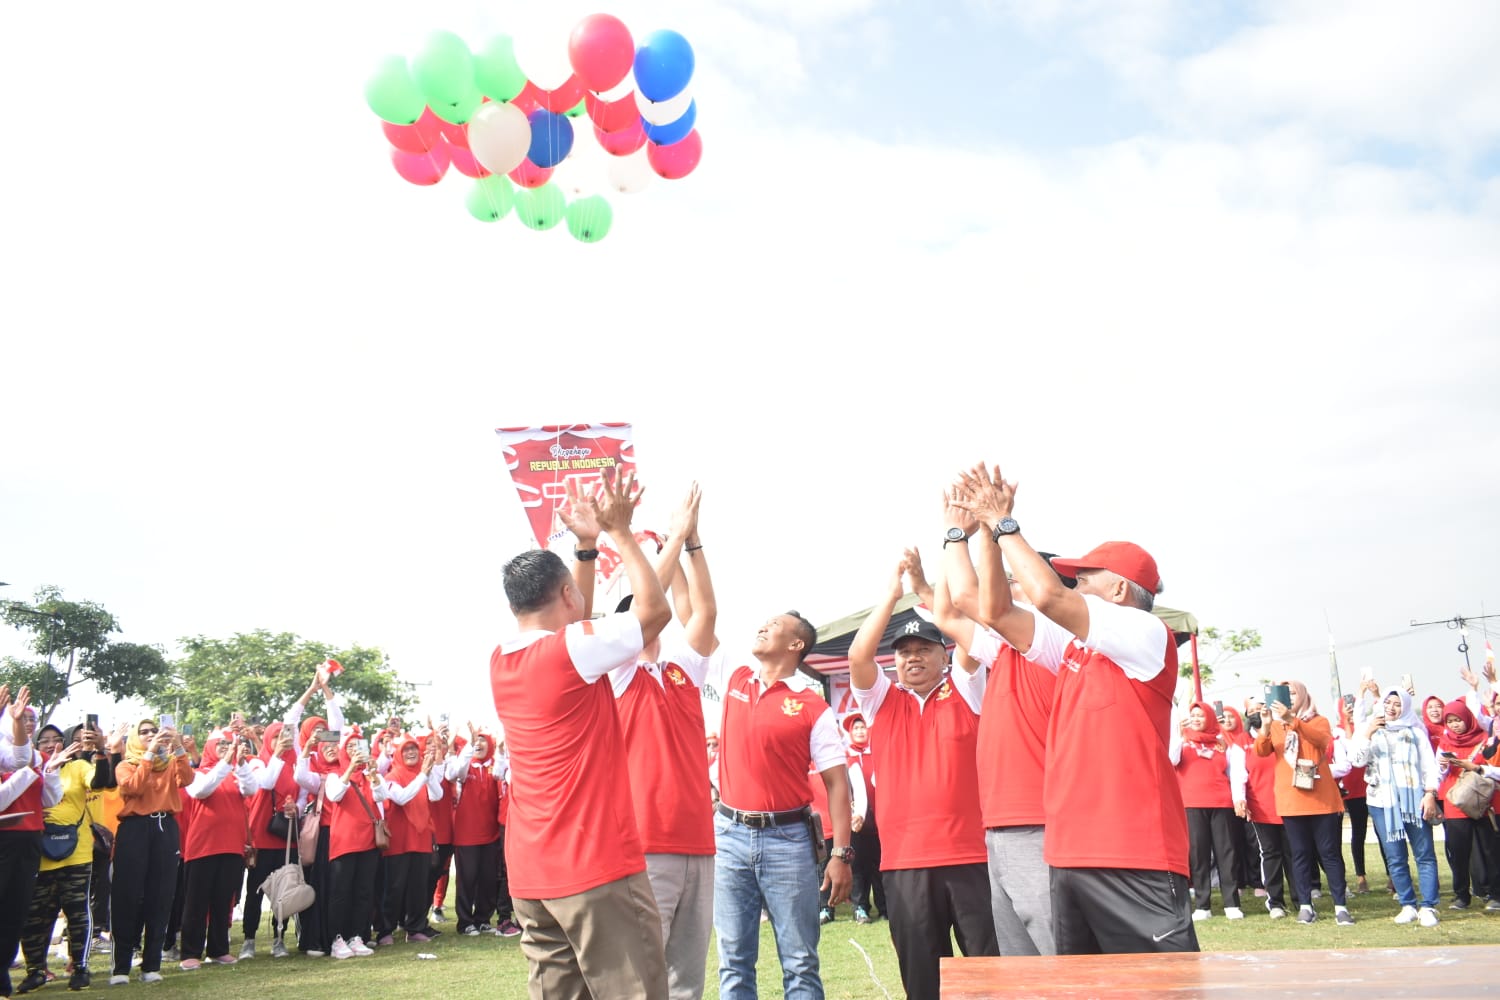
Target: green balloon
pixel 541 208
pixel 577 109
pixel 490 198
pixel 589 218
pixel 392 94
pixel 459 112
pixel 496 71
pixel 444 69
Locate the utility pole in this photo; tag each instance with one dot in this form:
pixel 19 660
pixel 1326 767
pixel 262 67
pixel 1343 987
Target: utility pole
pixel 1460 624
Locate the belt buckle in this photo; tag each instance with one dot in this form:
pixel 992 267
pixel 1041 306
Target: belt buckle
pixel 756 821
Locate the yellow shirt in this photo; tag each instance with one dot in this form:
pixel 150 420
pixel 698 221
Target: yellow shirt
pixel 73 806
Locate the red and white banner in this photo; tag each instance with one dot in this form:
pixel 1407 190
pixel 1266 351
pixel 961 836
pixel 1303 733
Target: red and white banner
pixel 542 461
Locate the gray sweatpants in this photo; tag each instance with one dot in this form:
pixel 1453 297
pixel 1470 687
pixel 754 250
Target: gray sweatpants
pixel 684 888
pixel 1020 893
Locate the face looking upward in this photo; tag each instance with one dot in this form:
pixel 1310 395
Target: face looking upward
pixel 920 663
pixel 1197 721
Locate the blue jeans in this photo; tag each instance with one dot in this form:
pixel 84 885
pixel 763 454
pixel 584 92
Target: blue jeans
pixel 1419 835
pixel 772 868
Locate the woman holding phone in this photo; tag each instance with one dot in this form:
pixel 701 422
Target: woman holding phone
pixel 1401 777
pixel 1462 749
pixel 1211 775
pixel 353 796
pixel 214 847
pixel 147 845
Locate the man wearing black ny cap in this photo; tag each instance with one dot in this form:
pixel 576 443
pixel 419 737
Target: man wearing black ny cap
pixel 924 730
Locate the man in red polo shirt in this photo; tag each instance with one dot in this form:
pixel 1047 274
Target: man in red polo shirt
pixel 924 730
pixel 766 847
pixel 589 923
pixel 1116 666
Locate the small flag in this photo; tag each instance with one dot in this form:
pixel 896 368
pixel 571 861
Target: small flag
pixel 1489 652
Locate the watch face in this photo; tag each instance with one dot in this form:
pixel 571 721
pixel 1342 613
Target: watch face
pixel 954 535
pixel 1008 526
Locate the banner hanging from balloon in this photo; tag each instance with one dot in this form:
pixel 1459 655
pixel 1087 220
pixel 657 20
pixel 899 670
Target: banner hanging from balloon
pixel 477 112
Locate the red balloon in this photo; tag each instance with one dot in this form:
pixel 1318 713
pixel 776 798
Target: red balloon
pixel 464 162
pixel 418 137
pixel 529 99
pixel 529 175
pixel 422 168
pixel 564 98
pixel 612 116
pixel 676 161
pixel 601 51
pixel 623 142
pixel 457 135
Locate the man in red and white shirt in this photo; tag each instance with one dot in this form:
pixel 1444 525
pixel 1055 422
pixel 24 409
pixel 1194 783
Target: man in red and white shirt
pixel 589 922
pixel 766 855
pixel 924 730
pixel 1116 839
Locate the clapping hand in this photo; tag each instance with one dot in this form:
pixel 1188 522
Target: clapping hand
pixel 616 502
pixel 984 494
pixel 580 514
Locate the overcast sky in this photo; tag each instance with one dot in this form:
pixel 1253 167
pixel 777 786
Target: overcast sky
pixel 1223 280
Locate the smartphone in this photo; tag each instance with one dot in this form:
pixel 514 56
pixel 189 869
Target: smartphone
pixel 1279 692
pixel 167 721
pixel 1407 685
pixel 1219 709
pixel 91 721
pixel 328 736
pixel 1366 675
pixel 187 730
pixel 442 718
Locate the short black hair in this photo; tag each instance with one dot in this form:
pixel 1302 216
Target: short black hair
pixel 531 579
pixel 806 631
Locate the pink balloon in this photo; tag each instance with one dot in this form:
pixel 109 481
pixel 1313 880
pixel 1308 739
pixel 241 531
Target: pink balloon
pixel 457 135
pixel 564 98
pixel 676 161
pixel 422 168
pixel 529 175
pixel 612 116
pixel 418 137
pixel 529 99
pixel 464 162
pixel 623 142
pixel 601 51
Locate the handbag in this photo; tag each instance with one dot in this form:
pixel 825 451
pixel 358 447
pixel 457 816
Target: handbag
pixel 104 842
pixel 279 825
pixel 1304 774
pixel 307 833
pixel 1472 793
pixel 286 889
pixel 382 832
pixel 59 840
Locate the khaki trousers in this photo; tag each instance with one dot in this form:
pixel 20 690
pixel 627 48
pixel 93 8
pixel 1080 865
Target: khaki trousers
pixel 603 943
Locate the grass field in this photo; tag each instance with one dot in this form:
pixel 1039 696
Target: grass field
pixel 492 968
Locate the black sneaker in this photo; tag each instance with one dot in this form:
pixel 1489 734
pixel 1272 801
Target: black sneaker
pixel 825 916
pixel 1306 915
pixel 34 980
pixel 1343 917
pixel 79 980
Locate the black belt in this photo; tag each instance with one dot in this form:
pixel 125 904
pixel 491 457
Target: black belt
pixel 762 820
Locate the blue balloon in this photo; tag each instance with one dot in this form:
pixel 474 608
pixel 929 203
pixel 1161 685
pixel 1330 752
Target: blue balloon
pixel 551 138
pixel 665 135
pixel 663 65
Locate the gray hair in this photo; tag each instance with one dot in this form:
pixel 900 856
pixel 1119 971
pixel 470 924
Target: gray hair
pixel 1139 597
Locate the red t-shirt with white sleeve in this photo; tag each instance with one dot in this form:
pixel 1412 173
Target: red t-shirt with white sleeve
pixel 766 739
pixel 929 777
pixel 661 713
pixel 1111 792
pixel 571 823
pixel 1013 718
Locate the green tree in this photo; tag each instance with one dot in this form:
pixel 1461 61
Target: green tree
pixel 72 639
pixel 1215 647
pixel 260 673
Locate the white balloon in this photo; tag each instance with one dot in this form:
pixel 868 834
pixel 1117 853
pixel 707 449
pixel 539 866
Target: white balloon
pixel 664 112
pixel 543 57
pixel 630 174
pixel 499 136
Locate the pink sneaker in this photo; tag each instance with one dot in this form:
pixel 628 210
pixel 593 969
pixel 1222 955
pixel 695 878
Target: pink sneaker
pixel 418 937
pixel 223 960
pixel 190 965
pixel 341 950
pixel 358 947
pixel 386 941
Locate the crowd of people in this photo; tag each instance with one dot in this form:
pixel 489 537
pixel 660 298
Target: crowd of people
pixel 960 800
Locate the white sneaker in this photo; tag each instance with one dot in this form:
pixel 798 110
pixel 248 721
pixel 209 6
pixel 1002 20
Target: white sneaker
pixel 358 947
pixel 1234 913
pixel 248 951
pixel 1201 915
pixel 341 950
pixel 1427 917
pixel 119 980
pixel 1407 915
pixel 1277 913
pixel 151 977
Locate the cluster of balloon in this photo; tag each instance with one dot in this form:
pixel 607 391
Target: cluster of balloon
pixel 478 113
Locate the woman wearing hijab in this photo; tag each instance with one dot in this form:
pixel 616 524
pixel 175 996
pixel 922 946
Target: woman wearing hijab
pixel 441 812
pixel 353 797
pixel 276 794
pixel 318 759
pixel 64 884
pixel 1353 785
pixel 1233 726
pixel 476 833
pixel 1402 777
pixel 1462 749
pixel 147 845
pixel 1211 775
pixel 413 788
pixel 1307 798
pixel 32 788
pixel 869 885
pixel 1432 719
pixel 213 848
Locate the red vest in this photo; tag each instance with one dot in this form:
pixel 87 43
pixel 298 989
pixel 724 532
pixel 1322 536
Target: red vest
pixel 663 726
pixel 350 828
pixel 215 824
pixel 1012 748
pixel 29 801
pixel 1203 776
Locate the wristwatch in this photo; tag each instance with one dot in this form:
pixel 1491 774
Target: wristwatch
pixel 844 854
pixel 954 535
pixel 1004 526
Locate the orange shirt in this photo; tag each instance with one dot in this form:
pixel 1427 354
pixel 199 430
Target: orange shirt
pixel 145 791
pixel 1314 737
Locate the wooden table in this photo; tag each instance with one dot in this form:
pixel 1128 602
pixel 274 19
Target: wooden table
pixel 1366 973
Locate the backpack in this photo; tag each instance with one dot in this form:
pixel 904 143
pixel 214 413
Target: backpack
pixel 1471 794
pixel 286 889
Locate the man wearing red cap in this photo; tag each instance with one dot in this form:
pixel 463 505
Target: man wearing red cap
pixel 1107 741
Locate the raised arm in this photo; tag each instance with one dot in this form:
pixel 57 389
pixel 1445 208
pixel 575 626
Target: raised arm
pixel 580 516
pixel 616 502
pixel 988 503
pixel 702 606
pixel 863 670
